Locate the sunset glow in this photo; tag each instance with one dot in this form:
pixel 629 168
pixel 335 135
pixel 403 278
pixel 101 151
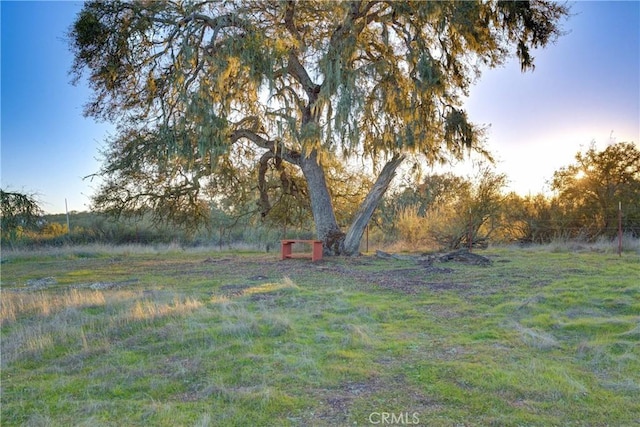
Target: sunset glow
pixel 584 89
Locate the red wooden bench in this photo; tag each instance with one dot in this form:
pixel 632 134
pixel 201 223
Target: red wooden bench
pixel 316 249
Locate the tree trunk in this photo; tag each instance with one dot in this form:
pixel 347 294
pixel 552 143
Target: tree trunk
pixel 324 217
pixel 351 244
pixel 335 242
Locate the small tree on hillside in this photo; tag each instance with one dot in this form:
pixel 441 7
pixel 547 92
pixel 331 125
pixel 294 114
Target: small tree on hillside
pixel 20 212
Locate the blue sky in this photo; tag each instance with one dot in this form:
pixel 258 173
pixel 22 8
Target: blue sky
pixel 585 88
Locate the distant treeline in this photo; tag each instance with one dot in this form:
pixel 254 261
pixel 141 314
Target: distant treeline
pixel 597 197
pixel 93 227
pixel 412 220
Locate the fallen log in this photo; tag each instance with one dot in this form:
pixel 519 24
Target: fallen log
pixel 466 257
pixel 460 255
pixel 387 255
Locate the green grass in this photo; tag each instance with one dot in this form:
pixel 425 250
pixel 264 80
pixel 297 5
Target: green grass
pixel 212 338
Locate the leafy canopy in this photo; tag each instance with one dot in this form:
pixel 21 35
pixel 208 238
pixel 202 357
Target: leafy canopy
pixel 203 90
pixel 18 210
pixel 598 184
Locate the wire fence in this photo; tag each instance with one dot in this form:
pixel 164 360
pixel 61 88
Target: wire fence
pixel 548 223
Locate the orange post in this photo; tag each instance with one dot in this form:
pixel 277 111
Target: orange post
pixel 286 248
pixel 316 255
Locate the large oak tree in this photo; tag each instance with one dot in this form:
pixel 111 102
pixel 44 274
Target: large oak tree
pixel 204 92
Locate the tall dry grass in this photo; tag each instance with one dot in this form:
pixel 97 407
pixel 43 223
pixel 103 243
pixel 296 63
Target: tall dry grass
pixel 630 244
pixel 102 249
pixel 14 304
pixel 148 309
pixel 78 319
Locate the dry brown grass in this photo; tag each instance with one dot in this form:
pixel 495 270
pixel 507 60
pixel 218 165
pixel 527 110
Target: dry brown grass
pixel 36 322
pixel 16 304
pixel 149 309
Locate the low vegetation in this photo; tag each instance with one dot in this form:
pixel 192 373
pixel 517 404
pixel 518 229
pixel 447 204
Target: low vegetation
pixel 595 200
pixel 544 336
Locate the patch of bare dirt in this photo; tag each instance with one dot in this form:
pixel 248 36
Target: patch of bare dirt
pixel 234 290
pixel 338 402
pixel 407 279
pixel 387 271
pixel 107 285
pixel 366 270
pixel 37 284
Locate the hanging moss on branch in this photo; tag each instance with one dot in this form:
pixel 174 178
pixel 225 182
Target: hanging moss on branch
pixel 207 89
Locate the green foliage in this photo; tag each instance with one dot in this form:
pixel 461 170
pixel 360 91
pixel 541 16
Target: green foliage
pixel 203 91
pixel 90 228
pixel 54 229
pixel 19 212
pixel 591 190
pixel 447 210
pixel 532 219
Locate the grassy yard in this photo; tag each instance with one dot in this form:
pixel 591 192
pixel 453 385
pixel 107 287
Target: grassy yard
pixel 196 338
